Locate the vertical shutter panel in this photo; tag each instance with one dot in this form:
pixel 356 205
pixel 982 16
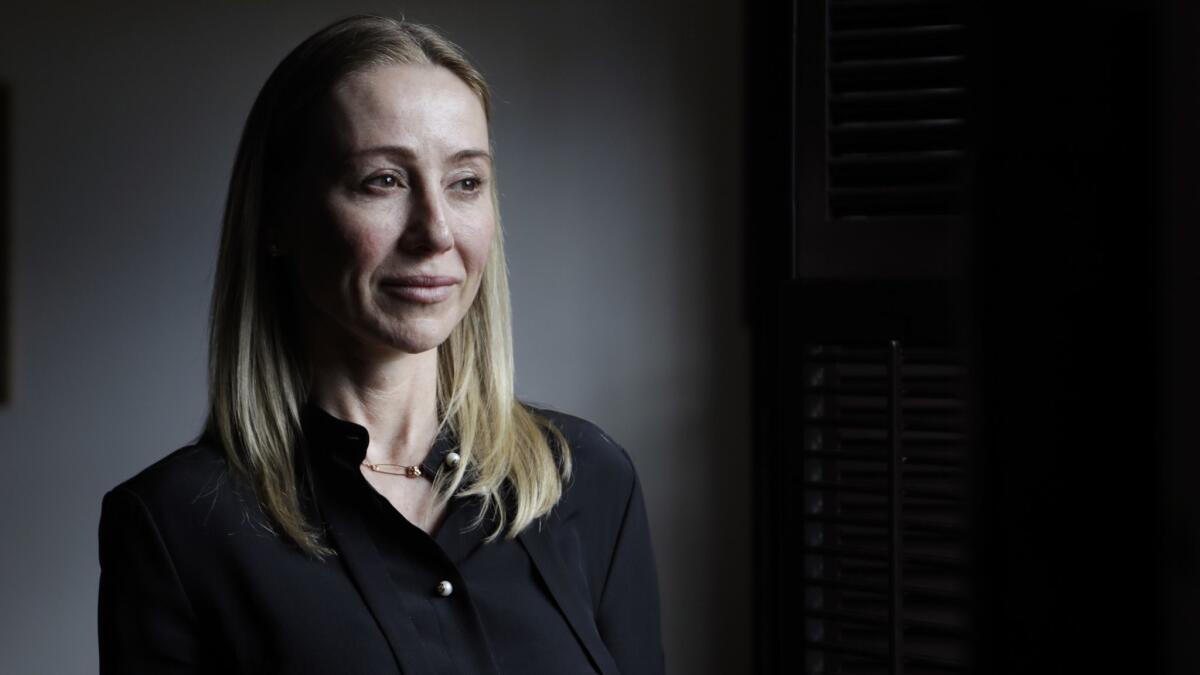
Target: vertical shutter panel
pixel 884 516
pixel 896 110
pixel 882 178
pixel 860 353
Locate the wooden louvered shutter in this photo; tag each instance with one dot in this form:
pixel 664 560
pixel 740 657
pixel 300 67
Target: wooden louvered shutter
pixel 861 368
pixel 881 103
pixel 868 122
pixel 897 103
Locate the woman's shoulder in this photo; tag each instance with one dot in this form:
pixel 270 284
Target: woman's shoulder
pixel 189 487
pixel 588 443
pixel 602 471
pixel 192 466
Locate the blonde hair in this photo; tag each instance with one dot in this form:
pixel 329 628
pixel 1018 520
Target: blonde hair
pixel 258 376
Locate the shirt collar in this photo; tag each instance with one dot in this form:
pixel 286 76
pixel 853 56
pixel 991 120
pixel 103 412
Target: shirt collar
pixel 346 442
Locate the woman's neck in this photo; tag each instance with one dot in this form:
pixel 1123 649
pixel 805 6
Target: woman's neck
pixel 394 396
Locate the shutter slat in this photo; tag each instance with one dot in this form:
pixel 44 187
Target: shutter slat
pixel 895 32
pixel 922 625
pixel 907 158
pixel 882 589
pixel 896 125
pixel 892 95
pixel 895 64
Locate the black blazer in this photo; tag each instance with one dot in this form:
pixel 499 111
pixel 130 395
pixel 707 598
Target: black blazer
pixel 191 582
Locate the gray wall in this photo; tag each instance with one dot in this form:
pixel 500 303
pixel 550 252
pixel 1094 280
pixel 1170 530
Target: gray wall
pixel 617 138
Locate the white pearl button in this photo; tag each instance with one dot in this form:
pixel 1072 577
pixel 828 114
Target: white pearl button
pixel 445 588
pixel 452 459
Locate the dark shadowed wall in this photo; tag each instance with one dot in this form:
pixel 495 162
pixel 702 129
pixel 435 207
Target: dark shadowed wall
pixel 616 132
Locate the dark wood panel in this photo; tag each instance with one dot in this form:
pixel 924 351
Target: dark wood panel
pixel 5 243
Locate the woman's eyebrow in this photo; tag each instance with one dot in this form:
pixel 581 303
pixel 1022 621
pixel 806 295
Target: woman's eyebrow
pixel 471 154
pixel 395 150
pixel 408 153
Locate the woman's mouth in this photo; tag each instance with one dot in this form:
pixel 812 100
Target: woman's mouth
pixel 423 288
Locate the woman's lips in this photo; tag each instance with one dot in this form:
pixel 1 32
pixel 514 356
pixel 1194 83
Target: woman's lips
pixel 424 289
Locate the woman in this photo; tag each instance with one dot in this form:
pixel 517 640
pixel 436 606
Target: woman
pixel 368 496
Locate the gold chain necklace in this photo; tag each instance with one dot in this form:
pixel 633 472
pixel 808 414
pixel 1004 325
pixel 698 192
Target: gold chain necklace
pixel 395 469
pixel 451 460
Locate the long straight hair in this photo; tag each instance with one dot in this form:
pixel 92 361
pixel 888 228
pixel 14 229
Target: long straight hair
pixel 258 375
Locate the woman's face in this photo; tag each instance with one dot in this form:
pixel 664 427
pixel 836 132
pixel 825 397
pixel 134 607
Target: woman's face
pixel 393 219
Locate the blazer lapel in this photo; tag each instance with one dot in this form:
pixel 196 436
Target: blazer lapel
pixel 571 599
pixel 366 568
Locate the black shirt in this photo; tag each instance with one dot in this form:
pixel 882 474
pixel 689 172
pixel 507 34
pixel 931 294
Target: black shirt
pixel 191 582
pixel 478 608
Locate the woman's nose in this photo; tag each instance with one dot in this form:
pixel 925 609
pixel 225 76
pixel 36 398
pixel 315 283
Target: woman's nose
pixel 426 229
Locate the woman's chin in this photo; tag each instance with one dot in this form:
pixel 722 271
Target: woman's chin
pixel 414 340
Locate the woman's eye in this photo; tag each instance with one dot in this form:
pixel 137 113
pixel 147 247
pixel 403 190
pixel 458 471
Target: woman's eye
pixel 470 184
pixel 385 181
